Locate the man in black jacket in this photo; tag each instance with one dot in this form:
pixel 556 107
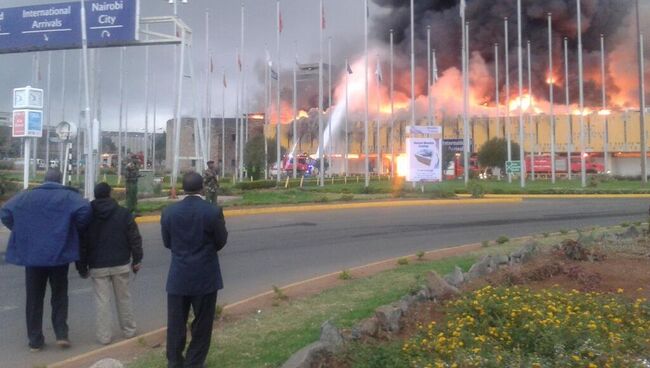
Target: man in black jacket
pixel 194 230
pixel 111 247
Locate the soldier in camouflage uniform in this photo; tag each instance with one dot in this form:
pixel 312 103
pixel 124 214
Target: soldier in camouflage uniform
pixel 131 176
pixel 211 183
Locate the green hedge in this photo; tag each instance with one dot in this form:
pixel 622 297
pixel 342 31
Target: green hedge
pixel 259 184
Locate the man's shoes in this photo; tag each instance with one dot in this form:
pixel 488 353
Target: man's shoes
pixel 35 349
pixel 63 343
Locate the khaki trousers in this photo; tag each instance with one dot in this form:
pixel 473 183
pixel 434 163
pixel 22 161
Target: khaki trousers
pixel 113 281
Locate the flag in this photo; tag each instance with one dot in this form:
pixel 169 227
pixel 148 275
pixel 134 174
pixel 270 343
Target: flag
pixel 280 24
pixel 380 78
pixel 211 65
pixel 322 12
pixel 239 61
pixel 462 8
pixel 368 11
pixel 348 67
pixel 274 74
pixel 268 58
pixel 225 83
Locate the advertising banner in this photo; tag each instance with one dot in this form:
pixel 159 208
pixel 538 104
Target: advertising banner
pixel 424 157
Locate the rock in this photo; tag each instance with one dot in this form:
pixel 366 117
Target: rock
pixel 108 363
pixel 388 318
pixel 482 267
pixel 609 237
pixel 586 240
pixel 438 287
pixel 423 294
pixel 308 356
pixel 367 327
pixel 407 303
pixel 502 259
pixel 331 336
pixel 631 232
pixel 456 277
pixel 525 253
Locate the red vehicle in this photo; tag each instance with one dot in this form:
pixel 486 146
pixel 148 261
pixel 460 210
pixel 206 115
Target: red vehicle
pixel 302 164
pixel 543 164
pixel 457 170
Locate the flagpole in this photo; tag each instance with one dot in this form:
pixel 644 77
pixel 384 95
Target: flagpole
pixel 365 123
pixel 177 112
pixel 434 81
pixel 642 137
pixel 568 108
pixel 146 103
pixel 413 62
pixel 223 128
pixel 121 120
pixel 295 115
pixel 267 111
pixel 321 146
pixel 208 84
pixel 583 171
pixel 605 112
pixel 392 105
pixel 429 121
pixel 347 75
pixel 153 140
pixel 465 106
pixel 520 74
pixel 530 114
pixel 496 87
pixel 63 100
pixel 278 126
pixel 89 180
pixel 48 124
pixel 329 100
pixel 378 138
pixel 240 127
pixel 550 93
pixel 507 122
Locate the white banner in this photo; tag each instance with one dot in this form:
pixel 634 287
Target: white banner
pixel 424 157
pixel 423 129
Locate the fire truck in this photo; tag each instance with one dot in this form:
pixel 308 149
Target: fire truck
pixel 543 164
pixel 304 164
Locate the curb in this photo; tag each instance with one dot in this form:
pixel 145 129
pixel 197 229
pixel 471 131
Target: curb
pixel 562 196
pixel 343 206
pixel 157 337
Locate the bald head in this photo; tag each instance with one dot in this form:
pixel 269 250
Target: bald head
pixel 192 183
pixel 53 175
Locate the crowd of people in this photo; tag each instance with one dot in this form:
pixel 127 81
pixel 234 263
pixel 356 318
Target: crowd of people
pixel 53 226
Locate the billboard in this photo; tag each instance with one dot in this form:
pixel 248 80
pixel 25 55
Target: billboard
pixel 58 26
pixel 27 123
pixel 424 158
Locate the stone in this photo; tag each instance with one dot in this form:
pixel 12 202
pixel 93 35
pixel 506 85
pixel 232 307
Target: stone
pixel 108 363
pixel 481 268
pixel 586 240
pixel 407 303
pixel 367 327
pixel 456 277
pixel 525 253
pixel 438 287
pixel 423 294
pixel 308 356
pixel 331 336
pixel 388 318
pixel 609 237
pixel 631 232
pixel 502 259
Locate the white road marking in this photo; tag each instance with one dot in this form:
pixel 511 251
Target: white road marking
pixel 7 308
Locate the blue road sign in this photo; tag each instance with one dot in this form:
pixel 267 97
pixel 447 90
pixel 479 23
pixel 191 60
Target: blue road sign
pixel 58 26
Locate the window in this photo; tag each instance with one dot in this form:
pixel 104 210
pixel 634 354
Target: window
pixel 233 137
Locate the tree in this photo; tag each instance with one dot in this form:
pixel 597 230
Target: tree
pixel 108 146
pixel 254 156
pixel 494 153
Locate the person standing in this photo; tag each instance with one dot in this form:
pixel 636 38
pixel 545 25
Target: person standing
pixel 131 176
pixel 194 230
pixel 211 183
pixel 45 224
pixel 111 248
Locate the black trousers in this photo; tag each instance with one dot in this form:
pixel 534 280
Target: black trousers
pixel 36 279
pixel 178 308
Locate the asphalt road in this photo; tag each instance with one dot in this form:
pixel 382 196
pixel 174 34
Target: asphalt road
pixel 266 250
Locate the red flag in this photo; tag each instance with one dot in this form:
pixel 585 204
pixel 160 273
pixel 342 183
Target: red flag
pixel 280 24
pixel 323 16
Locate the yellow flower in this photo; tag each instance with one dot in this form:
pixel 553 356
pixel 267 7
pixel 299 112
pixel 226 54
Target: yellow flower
pixel 575 357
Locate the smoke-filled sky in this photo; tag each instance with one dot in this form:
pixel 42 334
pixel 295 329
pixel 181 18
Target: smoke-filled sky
pixel 344 19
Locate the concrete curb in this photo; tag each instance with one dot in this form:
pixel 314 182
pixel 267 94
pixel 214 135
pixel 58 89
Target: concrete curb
pixel 563 196
pixel 343 206
pixel 157 337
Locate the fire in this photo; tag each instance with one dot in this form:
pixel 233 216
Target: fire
pixel 551 79
pixel 604 112
pixel 523 102
pixel 585 112
pixel 302 114
pixel 397 105
pixel 402 165
pixel 256 116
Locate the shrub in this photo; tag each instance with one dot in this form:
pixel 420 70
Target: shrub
pixel 476 189
pixel 402 261
pixel 564 231
pixel 347 197
pixel 420 255
pixel 502 239
pixel 485 243
pixel 7 165
pixel 508 327
pixel 259 184
pixel 345 275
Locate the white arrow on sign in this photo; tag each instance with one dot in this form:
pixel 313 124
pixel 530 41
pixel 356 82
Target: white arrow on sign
pixel 45 37
pixel 106 34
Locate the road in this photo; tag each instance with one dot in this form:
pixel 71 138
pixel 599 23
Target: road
pixel 266 250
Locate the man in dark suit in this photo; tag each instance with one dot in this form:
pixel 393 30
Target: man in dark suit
pixel 194 230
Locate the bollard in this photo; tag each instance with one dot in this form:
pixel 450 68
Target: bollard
pixel 345 180
pixel 286 183
pixel 302 179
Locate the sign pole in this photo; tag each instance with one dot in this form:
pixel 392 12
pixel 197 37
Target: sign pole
pixel 27 144
pixel 89 179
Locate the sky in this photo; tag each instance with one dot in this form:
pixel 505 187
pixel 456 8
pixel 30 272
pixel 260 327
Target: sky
pixel 299 37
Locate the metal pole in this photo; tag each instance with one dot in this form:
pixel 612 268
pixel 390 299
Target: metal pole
pixel 295 118
pixel 321 146
pixel 89 179
pixel 347 75
pixel 119 132
pixel 392 105
pixel 568 108
pixel 466 149
pixel 643 141
pixel 146 103
pixel 365 75
pixel 329 99
pixel 605 112
pixel 153 140
pixel 208 89
pixel 223 131
pixel 63 100
pixel 434 81
pixel 583 171
pixel 530 114
pixel 551 85
pixel 413 60
pixel 429 111
pixel 267 115
pixel 496 86
pixel 241 91
pixel 48 123
pixel 521 88
pixel 178 120
pixel 378 138
pixel 507 122
pixel 278 126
